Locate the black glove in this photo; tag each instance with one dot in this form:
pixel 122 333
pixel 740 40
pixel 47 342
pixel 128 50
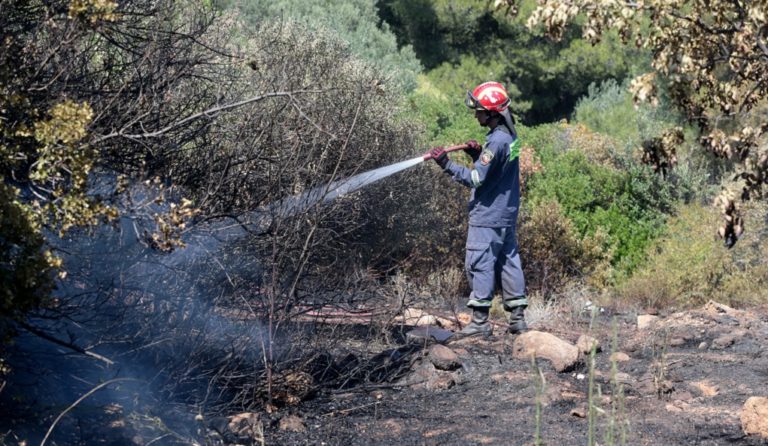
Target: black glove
pixel 440 156
pixel 473 149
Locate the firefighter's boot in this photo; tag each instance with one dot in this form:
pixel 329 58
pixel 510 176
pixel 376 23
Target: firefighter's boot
pixel 479 324
pixel 516 320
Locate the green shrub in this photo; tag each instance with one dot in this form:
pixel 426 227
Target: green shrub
pixel 553 253
pixel 686 267
pixel 629 206
pixel 356 22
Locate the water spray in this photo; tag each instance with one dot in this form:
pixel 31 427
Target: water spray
pixel 259 220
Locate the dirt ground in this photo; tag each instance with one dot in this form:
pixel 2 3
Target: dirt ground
pixel 684 380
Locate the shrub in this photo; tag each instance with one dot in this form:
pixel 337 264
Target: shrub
pixel 686 267
pixel 628 206
pixel 355 22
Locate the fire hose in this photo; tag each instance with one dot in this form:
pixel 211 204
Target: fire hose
pixel 427 156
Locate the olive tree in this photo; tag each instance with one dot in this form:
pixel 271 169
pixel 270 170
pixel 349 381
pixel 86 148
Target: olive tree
pixel 713 58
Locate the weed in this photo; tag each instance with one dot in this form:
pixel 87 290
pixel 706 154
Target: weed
pixel 540 385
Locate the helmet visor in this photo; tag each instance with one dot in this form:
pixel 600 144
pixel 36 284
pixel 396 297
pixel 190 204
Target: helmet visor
pixel 472 102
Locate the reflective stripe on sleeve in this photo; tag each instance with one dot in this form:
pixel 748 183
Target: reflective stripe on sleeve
pixel 475 178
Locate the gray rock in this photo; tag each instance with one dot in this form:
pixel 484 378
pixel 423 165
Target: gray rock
pixel 292 423
pixel 563 355
pixel 754 417
pixel 444 358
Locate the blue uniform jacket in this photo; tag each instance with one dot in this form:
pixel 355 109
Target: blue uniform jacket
pixel 494 179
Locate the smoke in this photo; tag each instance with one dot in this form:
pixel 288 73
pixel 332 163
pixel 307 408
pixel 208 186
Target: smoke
pixel 156 318
pixel 175 334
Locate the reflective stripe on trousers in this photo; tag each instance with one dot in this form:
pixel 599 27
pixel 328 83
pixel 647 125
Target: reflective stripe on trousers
pixel 492 253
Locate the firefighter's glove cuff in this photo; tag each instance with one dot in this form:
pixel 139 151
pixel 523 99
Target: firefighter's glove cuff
pixel 440 156
pixel 473 149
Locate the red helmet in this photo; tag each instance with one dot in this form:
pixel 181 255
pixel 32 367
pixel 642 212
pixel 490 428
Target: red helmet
pixel 490 96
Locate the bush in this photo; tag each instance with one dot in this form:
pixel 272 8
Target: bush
pixel 686 267
pixel 552 252
pixel 355 22
pixel 628 205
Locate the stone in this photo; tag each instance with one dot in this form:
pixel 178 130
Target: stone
pixel 714 309
pixel 428 333
pixel 441 381
pixel 586 343
pixel 444 358
pixel 245 425
pixel 292 423
pixel 728 339
pixel 754 417
pixel 417 317
pixel 645 320
pixel 619 357
pixel 703 346
pixel 563 355
pixel 624 378
pixel 677 342
pixel 704 388
pixel 579 412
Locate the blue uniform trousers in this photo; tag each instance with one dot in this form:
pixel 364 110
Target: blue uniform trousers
pixel 492 257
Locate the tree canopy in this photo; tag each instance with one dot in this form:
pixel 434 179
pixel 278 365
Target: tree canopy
pixel 712 57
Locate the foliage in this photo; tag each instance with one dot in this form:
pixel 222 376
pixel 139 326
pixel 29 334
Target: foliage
pixel 629 205
pixel 684 269
pixel 714 57
pixel 133 111
pixel 25 277
pixel 463 36
pixel 553 253
pixel 608 109
pixel 355 22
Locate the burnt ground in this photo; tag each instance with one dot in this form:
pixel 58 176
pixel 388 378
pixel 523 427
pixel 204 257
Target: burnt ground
pixel 681 380
pixel 684 380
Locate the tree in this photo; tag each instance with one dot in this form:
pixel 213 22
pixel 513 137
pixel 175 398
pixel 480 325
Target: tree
pixel 713 57
pixel 355 22
pixel 175 122
pixel 465 37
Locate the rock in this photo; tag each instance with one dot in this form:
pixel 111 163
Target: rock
pixel 677 406
pixel 414 316
pixel 586 343
pixel 703 346
pixel 723 341
pixel 444 358
pixel 645 320
pixel 704 388
pixel 441 381
pixel 728 339
pixel 579 412
pixel 246 425
pixel 677 342
pixel 624 378
pixel 562 354
pixel 754 417
pixel 421 374
pixel 619 357
pixel 714 309
pixel 292 423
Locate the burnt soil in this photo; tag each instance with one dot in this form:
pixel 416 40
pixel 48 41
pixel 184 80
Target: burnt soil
pixel 684 380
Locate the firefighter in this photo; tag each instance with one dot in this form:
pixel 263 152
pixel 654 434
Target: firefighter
pixel 491 250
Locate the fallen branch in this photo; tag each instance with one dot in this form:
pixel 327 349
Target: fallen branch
pixel 72 406
pixel 64 344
